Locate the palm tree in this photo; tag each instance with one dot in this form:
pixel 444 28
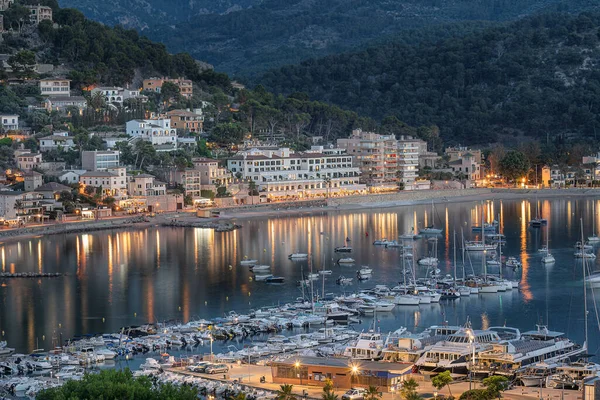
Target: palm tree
pixel 329 395
pixel 286 393
pixel 372 393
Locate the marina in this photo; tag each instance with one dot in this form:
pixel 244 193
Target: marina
pixel 276 289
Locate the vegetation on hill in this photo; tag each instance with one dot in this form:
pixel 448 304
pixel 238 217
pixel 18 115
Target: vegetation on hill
pixel 537 77
pixel 254 35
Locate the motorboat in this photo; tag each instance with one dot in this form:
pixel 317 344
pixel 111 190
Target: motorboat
pixel 297 256
pixel 365 271
pixel 381 242
pixel 513 262
pixel 428 261
pixel 393 243
pixel 368 346
pixel 548 259
pixel 342 280
pixel 248 262
pixel 313 276
pixel 430 230
pixel 346 260
pixel 326 272
pixel 343 249
pixel 260 267
pixel 275 279
pixel 572 375
pixel 409 236
pixel 584 254
pixel 262 277
pixel 535 374
pixel 406 300
pixel 4 349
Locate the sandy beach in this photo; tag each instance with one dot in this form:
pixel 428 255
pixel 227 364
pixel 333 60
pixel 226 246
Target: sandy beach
pixel 237 215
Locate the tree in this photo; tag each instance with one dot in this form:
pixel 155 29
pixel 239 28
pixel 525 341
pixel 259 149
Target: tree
pixel 328 387
pixel 89 190
pixel 286 392
pixel 409 389
pixel 514 165
pixel 252 188
pixel 329 395
pixel 372 393
pixel 495 385
pixel 441 380
pixel 475 394
pixel 227 133
pixel 16 16
pixel 23 63
pixel 169 92
pixel 114 384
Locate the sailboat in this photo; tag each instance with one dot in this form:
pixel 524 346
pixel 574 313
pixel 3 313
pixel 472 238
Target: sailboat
pixel 432 260
pixel 594 238
pixel 537 222
pixel 431 229
pixel 548 258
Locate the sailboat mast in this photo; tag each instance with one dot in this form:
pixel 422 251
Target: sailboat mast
pixel 454 257
pixel 585 311
pixel 499 247
pixel 462 238
pixel 483 263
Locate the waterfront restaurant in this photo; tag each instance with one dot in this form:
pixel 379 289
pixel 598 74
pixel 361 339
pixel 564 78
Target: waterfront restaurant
pixel 343 372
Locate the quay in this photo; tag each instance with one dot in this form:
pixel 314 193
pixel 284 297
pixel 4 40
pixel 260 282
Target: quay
pixel 249 375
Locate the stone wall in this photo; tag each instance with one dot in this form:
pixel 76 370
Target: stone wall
pixel 409 196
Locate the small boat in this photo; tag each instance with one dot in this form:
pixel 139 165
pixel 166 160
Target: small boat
pixel 409 236
pixel 585 246
pixel 264 277
pixel 343 249
pixel 365 270
pixel 393 243
pixel 513 262
pixel 537 222
pixel 260 267
pixel 296 256
pixel 479 246
pixel 548 259
pixel 584 254
pixel 342 280
pixel 493 262
pixel 346 260
pixel 275 279
pixel 543 250
pixel 593 239
pixel 313 276
pixel 326 272
pixel 430 230
pixel 486 227
pixel 381 242
pixel 429 261
pixel 248 262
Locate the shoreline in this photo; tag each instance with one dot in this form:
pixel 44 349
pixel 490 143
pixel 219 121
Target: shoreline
pixel 230 216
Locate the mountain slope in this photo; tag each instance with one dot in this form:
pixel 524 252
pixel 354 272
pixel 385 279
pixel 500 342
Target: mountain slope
pixel 265 34
pixel 536 77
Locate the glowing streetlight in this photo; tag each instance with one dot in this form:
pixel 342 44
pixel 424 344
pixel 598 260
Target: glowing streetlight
pixel 297 365
pixel 472 341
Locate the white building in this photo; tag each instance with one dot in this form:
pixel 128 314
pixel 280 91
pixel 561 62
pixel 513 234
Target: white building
pixel 283 173
pixel 117 94
pixel 55 87
pixel 99 160
pixel 71 176
pixel 60 140
pixel 156 131
pixel 9 122
pixel 20 206
pixel 408 161
pixel 113 183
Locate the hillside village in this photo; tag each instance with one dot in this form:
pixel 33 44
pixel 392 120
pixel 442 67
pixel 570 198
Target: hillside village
pixel 74 148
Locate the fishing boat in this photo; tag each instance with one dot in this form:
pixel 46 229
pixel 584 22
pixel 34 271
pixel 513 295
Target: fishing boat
pixel 343 249
pixel 297 256
pixel 346 260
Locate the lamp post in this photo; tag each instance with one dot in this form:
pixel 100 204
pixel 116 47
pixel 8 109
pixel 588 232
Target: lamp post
pixel 472 341
pixel 211 349
pixel 297 365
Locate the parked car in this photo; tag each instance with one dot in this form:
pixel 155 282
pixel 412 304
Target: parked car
pixel 355 394
pixel 199 367
pixel 217 369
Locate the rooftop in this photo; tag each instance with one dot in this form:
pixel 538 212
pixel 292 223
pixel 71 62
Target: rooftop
pixel 53 187
pixel 98 174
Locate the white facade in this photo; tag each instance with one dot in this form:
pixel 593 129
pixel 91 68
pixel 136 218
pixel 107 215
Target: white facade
pixel 29 161
pixel 113 183
pixel 283 173
pixel 156 131
pixel 55 87
pixel 117 94
pixel 9 122
pixel 71 176
pixel 60 140
pixel 100 160
pixel 408 161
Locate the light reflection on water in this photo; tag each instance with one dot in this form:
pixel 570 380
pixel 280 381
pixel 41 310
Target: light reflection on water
pixel 120 278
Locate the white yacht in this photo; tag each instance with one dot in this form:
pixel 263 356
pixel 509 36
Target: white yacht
pixel 480 246
pixel 346 260
pixel 428 261
pixel 572 375
pixel 536 374
pixel 260 267
pixel 369 346
pixel 297 256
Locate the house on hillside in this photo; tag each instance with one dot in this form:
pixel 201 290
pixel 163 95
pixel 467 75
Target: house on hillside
pixel 60 140
pixel 9 122
pixel 61 103
pixel 55 87
pixel 29 161
pixel 155 84
pixel 39 13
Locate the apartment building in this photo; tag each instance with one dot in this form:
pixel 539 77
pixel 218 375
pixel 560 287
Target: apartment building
pixel 186 120
pixel 29 161
pixel 144 185
pixel 158 131
pixel 409 149
pixel 99 160
pixel 284 174
pixel 117 94
pixel 113 181
pixel 155 84
pixel 376 155
pixel 55 87
pixel 20 206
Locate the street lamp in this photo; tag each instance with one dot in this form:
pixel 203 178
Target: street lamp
pixel 297 365
pixel 472 341
pixel 211 349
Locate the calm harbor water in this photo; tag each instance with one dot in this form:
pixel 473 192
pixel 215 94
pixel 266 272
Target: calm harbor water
pixel 120 278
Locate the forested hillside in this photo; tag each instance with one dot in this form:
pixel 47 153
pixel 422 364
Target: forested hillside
pixel 537 77
pixel 245 37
